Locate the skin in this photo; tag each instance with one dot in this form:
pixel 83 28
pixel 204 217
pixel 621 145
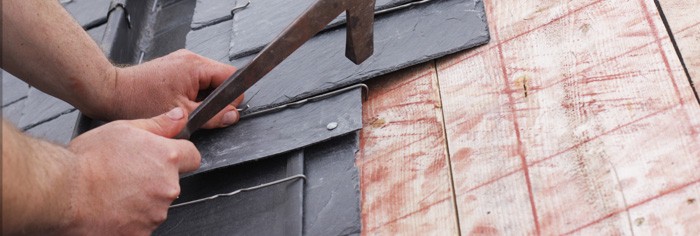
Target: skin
pixel 119 178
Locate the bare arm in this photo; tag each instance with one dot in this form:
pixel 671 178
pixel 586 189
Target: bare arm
pixel 44 46
pixel 36 185
pixel 98 185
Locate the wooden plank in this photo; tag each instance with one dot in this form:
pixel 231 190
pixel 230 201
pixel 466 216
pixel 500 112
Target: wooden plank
pixel 683 19
pixel 576 118
pixel 404 170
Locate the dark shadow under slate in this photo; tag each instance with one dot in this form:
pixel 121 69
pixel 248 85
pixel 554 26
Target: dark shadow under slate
pixel 40 107
pixel 278 132
pixel 85 11
pixel 59 130
pixel 260 22
pixel 13 89
pixel 326 203
pixel 402 38
pixel 208 10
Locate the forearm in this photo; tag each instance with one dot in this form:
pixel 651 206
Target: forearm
pixel 43 45
pixel 38 184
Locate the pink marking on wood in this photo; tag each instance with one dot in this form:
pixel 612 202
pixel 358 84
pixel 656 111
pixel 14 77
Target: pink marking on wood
pixel 611 214
pixel 516 127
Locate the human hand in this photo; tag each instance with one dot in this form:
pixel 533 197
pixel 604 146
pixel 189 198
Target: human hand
pixel 159 85
pixel 128 174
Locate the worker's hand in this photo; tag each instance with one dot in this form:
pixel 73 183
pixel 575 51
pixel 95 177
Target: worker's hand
pixel 128 174
pixel 171 81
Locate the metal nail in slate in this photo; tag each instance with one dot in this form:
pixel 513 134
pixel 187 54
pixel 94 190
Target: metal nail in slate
pixel 332 125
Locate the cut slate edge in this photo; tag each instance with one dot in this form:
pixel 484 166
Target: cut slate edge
pixel 315 154
pixel 351 129
pixel 294 206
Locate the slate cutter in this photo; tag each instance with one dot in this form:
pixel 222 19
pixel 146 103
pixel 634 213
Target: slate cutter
pixel 359 46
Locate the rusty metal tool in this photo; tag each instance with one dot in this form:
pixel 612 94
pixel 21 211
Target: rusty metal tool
pixel 359 46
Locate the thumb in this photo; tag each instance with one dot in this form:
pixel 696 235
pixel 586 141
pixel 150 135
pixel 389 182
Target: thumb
pixel 167 125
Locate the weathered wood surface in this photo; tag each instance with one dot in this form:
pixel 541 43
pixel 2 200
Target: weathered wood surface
pixel 577 118
pixel 404 170
pixel 684 20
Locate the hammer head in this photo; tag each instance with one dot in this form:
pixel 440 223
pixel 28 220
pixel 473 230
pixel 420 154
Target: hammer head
pixel 360 30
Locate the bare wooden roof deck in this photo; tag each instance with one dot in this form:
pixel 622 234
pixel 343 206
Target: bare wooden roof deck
pixel 577 118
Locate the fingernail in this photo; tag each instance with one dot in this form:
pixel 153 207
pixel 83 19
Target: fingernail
pixel 230 118
pixel 176 114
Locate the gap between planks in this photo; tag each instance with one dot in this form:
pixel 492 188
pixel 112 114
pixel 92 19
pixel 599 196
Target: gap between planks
pixel 447 147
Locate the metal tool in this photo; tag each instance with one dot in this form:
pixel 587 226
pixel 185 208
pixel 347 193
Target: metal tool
pixel 359 46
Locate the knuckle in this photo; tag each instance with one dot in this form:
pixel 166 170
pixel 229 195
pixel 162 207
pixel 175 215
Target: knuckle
pixel 173 192
pixel 173 156
pixel 160 217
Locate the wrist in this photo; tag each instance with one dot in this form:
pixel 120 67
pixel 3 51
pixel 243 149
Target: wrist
pixel 100 97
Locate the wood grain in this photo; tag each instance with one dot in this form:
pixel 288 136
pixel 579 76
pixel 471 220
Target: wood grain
pixel 576 118
pixel 683 18
pixel 404 169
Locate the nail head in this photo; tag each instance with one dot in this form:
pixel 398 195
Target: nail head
pixel 332 125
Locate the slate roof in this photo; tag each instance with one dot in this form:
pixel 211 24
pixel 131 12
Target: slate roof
pixel 316 86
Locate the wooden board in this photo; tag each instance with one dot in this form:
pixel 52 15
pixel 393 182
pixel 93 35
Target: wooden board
pixel 576 118
pixel 683 19
pixel 404 169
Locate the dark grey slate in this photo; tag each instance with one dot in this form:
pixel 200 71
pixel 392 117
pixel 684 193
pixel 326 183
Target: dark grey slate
pixel 85 11
pixel 402 38
pixel 332 194
pixel 211 41
pixel 273 210
pixel 13 111
pixel 260 22
pixel 41 107
pixel 207 10
pixel 329 195
pixel 59 130
pixel 97 33
pixel 13 88
pixel 170 29
pixel 279 132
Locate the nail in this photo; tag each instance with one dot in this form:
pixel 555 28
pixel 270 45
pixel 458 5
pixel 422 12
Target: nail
pixel 176 113
pixel 230 118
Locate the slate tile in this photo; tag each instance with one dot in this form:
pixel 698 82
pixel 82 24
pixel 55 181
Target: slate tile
pixel 41 107
pixel 329 195
pixel 13 112
pixel 207 10
pixel 211 41
pixel 170 29
pixel 59 130
pixel 332 191
pixel 260 22
pixel 402 38
pixel 279 132
pixel 85 11
pixel 264 211
pixel 97 32
pixel 13 88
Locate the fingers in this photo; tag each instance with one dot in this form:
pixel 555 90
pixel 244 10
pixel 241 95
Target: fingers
pixel 226 117
pixel 213 73
pixel 167 125
pixel 188 158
